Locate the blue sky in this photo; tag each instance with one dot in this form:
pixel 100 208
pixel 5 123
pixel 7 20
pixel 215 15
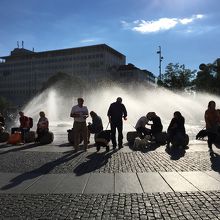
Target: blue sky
pixel 188 31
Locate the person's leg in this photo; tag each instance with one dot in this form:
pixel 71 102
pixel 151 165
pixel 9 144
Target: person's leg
pixel 113 132
pixel 76 133
pixel 140 132
pixel 211 139
pixel 84 135
pixel 120 134
pixel 89 133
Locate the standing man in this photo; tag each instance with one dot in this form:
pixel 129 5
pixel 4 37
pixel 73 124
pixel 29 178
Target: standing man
pixel 80 113
pixel 116 112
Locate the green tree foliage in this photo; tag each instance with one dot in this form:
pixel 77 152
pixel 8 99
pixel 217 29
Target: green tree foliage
pixel 208 78
pixel 64 83
pixel 176 77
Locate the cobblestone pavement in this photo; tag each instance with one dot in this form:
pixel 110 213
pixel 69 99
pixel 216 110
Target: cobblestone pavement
pixel 193 205
pixel 113 162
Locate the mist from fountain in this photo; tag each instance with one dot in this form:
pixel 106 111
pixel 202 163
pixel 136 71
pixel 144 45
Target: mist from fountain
pixel 138 101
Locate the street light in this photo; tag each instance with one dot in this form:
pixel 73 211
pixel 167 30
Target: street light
pixel 160 60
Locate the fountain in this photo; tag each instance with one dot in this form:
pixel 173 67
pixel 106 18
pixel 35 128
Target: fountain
pixel 137 101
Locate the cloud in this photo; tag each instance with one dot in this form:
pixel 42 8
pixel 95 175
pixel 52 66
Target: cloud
pixel 161 24
pixel 87 40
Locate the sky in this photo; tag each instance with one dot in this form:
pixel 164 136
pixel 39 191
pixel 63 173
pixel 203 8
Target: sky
pixel 188 31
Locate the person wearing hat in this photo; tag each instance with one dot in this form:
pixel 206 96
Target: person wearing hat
pixel 116 112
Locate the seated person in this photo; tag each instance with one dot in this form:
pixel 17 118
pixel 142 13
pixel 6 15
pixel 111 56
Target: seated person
pixel 157 126
pixel 42 126
pixel 176 127
pixel 24 126
pixel 140 127
pixel 96 125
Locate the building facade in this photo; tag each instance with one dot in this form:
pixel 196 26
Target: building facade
pixel 127 74
pixel 24 72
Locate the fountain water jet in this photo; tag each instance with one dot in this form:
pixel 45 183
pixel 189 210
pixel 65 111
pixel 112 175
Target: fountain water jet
pixel 137 101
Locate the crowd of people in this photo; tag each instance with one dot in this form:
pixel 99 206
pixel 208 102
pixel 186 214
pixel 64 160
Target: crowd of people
pixel 116 113
pixel 26 123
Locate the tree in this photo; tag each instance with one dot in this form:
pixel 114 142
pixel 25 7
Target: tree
pixel 177 77
pixel 65 84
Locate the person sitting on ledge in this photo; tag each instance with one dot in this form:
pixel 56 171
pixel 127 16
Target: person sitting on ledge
pixel 176 127
pixel 96 126
pixel 24 126
pixel 42 126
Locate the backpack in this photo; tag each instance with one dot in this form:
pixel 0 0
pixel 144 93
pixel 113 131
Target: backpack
pixel 30 122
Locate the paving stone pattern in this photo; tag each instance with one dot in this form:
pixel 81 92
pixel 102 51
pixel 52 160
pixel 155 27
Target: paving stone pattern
pixel 113 162
pixel 194 205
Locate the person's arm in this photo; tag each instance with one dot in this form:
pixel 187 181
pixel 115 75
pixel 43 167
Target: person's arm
pixel 109 114
pixel 124 113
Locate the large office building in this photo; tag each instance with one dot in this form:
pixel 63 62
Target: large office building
pixel 24 72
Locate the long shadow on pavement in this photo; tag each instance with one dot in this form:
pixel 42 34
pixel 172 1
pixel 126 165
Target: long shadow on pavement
pixel 215 161
pixel 176 152
pixel 94 162
pixel 44 169
pixel 24 147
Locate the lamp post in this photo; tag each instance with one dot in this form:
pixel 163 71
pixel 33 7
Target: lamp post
pixel 160 60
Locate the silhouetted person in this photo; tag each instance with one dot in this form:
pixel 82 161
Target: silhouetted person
pixel 116 112
pixel 156 126
pixel 96 126
pixel 176 127
pixel 140 127
pixel 80 113
pixel 2 123
pixel 24 126
pixel 212 120
pixel 42 126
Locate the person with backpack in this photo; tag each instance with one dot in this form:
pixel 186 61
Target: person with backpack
pixel 96 126
pixel 42 126
pixel 24 127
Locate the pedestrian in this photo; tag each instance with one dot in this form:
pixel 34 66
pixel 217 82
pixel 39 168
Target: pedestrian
pixel 141 127
pixel 176 127
pixel 116 112
pixel 80 113
pixel 24 126
pixel 157 126
pixel 96 126
pixel 212 120
pixel 42 126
